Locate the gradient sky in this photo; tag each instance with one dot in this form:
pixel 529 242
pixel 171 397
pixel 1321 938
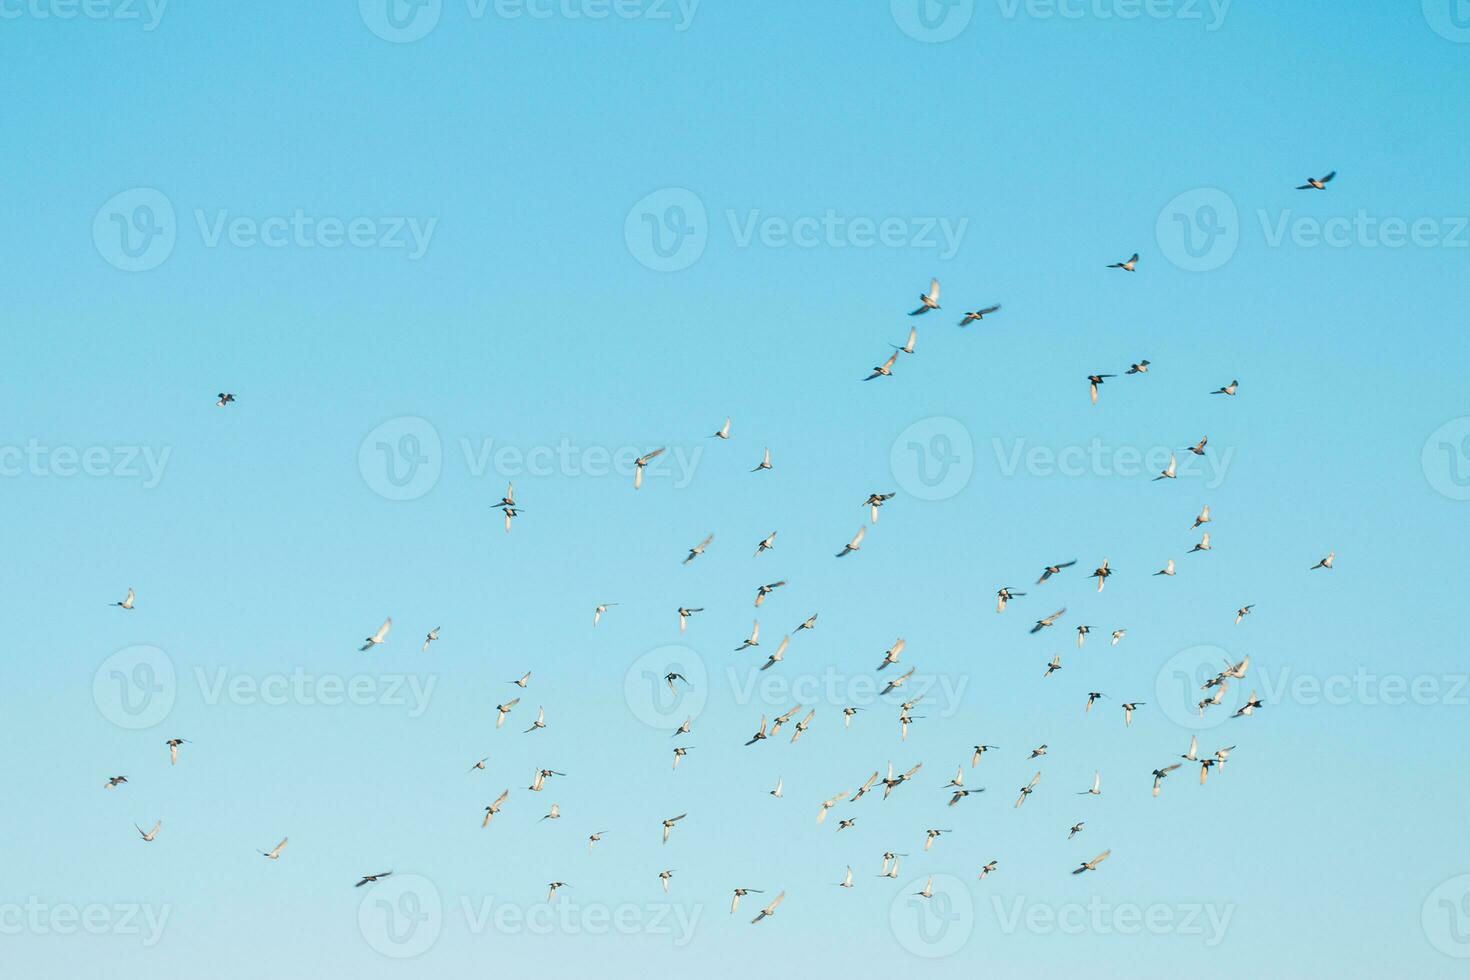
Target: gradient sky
pixel 527 150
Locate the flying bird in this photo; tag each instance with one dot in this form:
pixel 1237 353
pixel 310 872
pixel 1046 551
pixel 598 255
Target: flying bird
pixel 504 709
pixel 275 852
pixel 908 347
pixel 493 809
pixel 173 749
pixel 1051 570
pixel 371 878
pixel 854 544
pixel 115 782
pixel 602 607
pixel 1159 775
pixel 1128 708
pixel 379 636
pixel 980 314
pixel 1198 448
pixel 1169 472
pixel 429 637
pixel 930 300
pixel 1140 368
pixel 874 501
pixel 148 835
pixel 698 549
pixel 739 894
pixel 1042 624
pixel 1093 380
pixel 1092 865
pixel 223 398
pixel 1317 183
pixel 640 463
pixel 668 825
pixel 1003 596
pixel 884 370
pixel 766 544
pixel 1096 786
pixel 1229 389
pixel 723 432
pixel 1129 266
pixel 753 640
pixel 1325 562
pixel 1028 789
pixel 1243 612
pixel 1204 516
pixel 765 462
pixel 769 910
pixel 767 589
pixel 685 612
pixel 128 602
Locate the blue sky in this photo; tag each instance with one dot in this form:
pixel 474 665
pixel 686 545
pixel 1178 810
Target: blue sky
pixel 447 239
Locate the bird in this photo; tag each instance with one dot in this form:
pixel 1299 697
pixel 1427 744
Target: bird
pixel 378 637
pixel 765 462
pixel 874 501
pixel 893 782
pixel 510 513
pixel 148 835
pixel 753 640
pixel 884 370
pixel 602 607
pixel 115 782
pixel 847 714
pixel 770 909
pixel 683 728
pixel 1159 775
pixel 1243 612
pixel 640 463
pixel 538 781
pixel 766 544
pixel 1191 755
pixel 479 765
pixel 1204 516
pixel 1229 389
pixel 593 839
pixel 223 398
pixel 1093 380
pixel 1076 829
pixel 1198 448
pixel 863 789
pixel 989 867
pixel 829 804
pixel 679 753
pixel 1037 752
pixel 891 655
pixel 847 881
pixel 1222 754
pixel 1101 573
pixel 1082 632
pixel 1168 568
pixel 668 825
pixel 553 814
pixel 1042 624
pixel 128 602
pixel 1092 865
pixel 173 749
pixel 1247 709
pixel 664 876
pixel 540 721
pixel 1003 596
pixel 980 314
pixel 1140 368
pixel 1054 666
pixel 1096 786
pixel 1028 789
pixel 897 682
pixel 767 589
pixel 930 300
pixel 551 889
pixel 928 890
pixel 429 637
pixel 1203 545
pixel 1128 708
pixel 854 544
pixel 1129 266
pixel 723 432
pixel 810 623
pixel 777 791
pixel 1317 183
pixel 1325 562
pixel 672 676
pixel 960 794
pixel 979 751
pixel 366 879
pixel 1169 472
pixel 1092 696
pixel 494 808
pixel 1051 570
pixel 275 852
pixel 932 835
pixel 760 733
pixel 504 709
pixel 1118 636
pixel 685 612
pixel 698 549
pixel 739 894
pixel 803 725
pixel 908 347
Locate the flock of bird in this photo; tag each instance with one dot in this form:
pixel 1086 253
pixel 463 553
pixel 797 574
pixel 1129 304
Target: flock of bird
pixel 956 788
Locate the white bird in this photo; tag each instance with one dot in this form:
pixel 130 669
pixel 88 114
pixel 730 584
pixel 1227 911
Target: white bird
pixel 777 791
pixel 891 655
pixel 664 876
pixel 1028 789
pixel 1190 756
pixel 1247 709
pixel 379 636
pixel 989 867
pixel 1204 516
pixel 1159 775
pixel 930 300
pixel 979 751
pixel 1204 544
pixel 874 501
pixel 766 544
pixel 602 607
pixel 769 910
pixel 685 612
pixel 1140 368
pixel 908 347
pixel 149 835
pixel 1169 472
pixel 223 398
pixel 128 602
pixel 765 590
pixel 1054 666
pixel 980 314
pixel 641 462
pixel 1003 596
pixel 1118 635
pixel 1042 624
pixel 1229 389
pixel 829 804
pixel 765 462
pixel 1096 785
pixel 679 753
pixel 932 835
pixel 723 432
pixel 1326 562
pixel 668 825
pixel 846 882
pixel 1082 632
pixel 1128 708
pixel 540 721
pixel 593 839
pixel 810 623
pixel 1129 266
pixel 275 852
pixel 552 887
pixel 429 637
pixel 553 814
pixel 493 809
pixel 753 640
pixel 1317 183
pixel 504 709
pixel 1092 865
pixel 854 544
pixel 1243 612
pixel 173 749
pixel 928 890
pixel 1168 569
pixel 480 765
pixel 698 549
pixel 884 370
pixel 739 894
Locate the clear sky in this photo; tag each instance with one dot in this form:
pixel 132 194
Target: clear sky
pixel 432 249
